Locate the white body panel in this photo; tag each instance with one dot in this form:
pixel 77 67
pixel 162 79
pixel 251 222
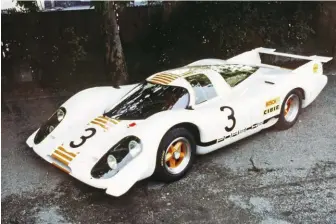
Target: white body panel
pixel 246 102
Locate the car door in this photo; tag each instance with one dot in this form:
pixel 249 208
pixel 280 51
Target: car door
pixel 237 122
pixel 220 117
pixel 222 122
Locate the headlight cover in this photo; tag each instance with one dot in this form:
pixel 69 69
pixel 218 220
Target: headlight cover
pixel 60 114
pixel 50 125
pixel 117 157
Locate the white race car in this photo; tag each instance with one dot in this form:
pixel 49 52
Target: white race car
pixel 110 138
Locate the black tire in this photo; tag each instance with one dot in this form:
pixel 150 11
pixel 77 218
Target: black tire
pixel 282 123
pixel 161 172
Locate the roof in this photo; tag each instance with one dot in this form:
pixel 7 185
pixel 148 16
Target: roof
pixel 231 73
pixel 167 77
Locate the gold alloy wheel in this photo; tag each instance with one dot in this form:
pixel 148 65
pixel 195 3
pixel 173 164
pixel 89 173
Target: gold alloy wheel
pixel 291 108
pixel 177 155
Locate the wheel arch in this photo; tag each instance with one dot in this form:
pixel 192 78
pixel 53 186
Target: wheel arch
pixel 190 127
pixel 301 90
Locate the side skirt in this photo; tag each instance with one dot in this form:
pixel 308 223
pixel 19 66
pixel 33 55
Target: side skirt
pixel 205 147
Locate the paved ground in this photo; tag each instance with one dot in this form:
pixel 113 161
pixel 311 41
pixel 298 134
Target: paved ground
pixel 295 183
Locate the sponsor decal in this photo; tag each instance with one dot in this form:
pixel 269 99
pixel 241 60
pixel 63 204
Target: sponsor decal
pixel 273 101
pixel 272 109
pixel 315 68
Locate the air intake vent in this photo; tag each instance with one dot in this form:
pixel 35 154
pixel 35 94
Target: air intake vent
pixel 268 82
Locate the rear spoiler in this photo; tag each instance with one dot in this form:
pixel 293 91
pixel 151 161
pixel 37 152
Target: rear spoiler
pixel 253 56
pixel 310 58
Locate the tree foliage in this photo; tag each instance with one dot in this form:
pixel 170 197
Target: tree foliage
pixel 28 6
pixel 221 29
pixel 192 30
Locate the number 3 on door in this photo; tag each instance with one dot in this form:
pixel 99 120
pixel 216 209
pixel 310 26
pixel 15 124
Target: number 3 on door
pixel 230 117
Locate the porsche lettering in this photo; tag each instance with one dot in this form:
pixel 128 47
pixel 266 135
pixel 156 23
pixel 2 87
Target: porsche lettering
pixel 234 134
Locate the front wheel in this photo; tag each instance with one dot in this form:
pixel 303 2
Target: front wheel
pixel 290 110
pixel 175 155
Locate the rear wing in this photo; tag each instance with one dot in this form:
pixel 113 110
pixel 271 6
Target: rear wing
pixel 253 57
pixel 310 58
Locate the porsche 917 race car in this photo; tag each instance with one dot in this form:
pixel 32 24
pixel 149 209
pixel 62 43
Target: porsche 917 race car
pixel 110 138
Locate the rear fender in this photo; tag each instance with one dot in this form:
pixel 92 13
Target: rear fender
pixel 308 77
pixel 311 80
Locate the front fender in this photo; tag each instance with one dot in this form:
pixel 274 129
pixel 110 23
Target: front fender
pixel 85 106
pixel 153 130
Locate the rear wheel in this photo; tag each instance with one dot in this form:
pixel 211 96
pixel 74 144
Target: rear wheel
pixel 175 155
pixel 290 110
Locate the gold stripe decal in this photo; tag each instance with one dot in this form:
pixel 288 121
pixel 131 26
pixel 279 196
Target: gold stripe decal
pixel 104 121
pixel 101 125
pixel 104 118
pixel 101 120
pixel 160 80
pixel 59 153
pixel 63 156
pixel 67 152
pixel 59 167
pixel 60 159
pixel 114 121
pixel 155 82
pixel 163 79
pixel 171 76
pixel 166 77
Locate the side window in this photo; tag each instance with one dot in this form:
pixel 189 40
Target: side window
pixel 235 74
pixel 202 86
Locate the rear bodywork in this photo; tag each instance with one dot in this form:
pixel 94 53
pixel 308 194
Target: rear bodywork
pixel 232 108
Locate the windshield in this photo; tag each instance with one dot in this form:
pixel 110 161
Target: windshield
pixel 149 99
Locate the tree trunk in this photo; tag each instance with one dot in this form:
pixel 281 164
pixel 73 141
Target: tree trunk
pixel 168 8
pixel 114 58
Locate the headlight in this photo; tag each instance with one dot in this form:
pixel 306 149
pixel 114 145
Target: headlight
pixel 112 162
pixel 49 125
pixel 134 147
pixel 60 114
pixel 117 157
pixel 51 128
